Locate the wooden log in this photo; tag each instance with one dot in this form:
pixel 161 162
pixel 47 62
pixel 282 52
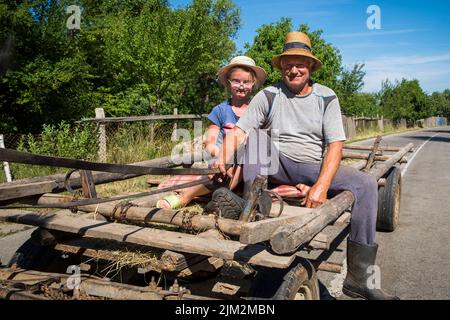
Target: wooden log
pixel 154 215
pixel 255 232
pixel 180 242
pixel 289 238
pixel 369 148
pixel 380 169
pixel 55 183
pixel 26 189
pixel 354 155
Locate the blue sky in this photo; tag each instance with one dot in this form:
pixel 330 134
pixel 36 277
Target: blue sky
pixel 413 42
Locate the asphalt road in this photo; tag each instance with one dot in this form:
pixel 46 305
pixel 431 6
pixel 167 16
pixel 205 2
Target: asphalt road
pixel 415 259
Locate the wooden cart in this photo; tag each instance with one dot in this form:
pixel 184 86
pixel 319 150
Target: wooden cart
pixel 179 254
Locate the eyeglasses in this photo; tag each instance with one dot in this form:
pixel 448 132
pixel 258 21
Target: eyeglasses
pixel 246 84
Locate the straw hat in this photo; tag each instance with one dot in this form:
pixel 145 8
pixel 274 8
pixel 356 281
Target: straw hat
pixel 246 62
pixel 297 44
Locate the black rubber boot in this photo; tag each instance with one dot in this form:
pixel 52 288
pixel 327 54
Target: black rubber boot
pixel 359 258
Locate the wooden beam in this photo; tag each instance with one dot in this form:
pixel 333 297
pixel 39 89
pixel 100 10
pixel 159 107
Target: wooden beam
pixel 380 169
pixel 180 218
pixel 146 118
pixel 55 183
pixel 176 241
pixel 289 238
pixel 259 231
pixel 368 148
pixel 372 154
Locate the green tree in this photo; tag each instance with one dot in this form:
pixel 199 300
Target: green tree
pixel 130 57
pixel 269 42
pixel 405 99
pixel 349 84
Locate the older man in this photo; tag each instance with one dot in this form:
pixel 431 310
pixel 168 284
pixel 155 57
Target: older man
pixel 303 118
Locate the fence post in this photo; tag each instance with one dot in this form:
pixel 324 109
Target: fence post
pixel 152 129
pixel 174 132
pixel 5 163
pixel 380 123
pixel 100 114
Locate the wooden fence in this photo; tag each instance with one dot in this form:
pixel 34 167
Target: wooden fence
pixel 352 125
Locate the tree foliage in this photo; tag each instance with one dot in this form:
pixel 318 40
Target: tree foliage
pixel 405 99
pixel 269 42
pixel 135 57
pixel 130 57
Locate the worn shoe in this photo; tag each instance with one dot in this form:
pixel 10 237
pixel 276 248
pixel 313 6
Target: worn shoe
pixel 226 204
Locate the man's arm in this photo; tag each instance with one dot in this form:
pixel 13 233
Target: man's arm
pixel 318 193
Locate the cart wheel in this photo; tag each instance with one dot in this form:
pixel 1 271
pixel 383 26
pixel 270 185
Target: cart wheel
pixel 389 201
pixel 296 283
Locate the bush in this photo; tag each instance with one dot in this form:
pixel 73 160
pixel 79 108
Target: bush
pixel 64 140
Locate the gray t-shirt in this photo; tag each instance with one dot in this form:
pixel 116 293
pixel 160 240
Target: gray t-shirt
pixel 300 126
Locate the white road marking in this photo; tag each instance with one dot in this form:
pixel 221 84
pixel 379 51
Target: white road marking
pixel 415 154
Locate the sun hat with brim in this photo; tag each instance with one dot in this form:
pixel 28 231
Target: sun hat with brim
pixel 247 63
pixel 297 44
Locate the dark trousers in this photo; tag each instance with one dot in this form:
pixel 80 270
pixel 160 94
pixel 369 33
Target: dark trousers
pixel 263 159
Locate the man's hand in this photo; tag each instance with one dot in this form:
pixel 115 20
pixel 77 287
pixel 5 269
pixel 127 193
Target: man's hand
pixel 317 195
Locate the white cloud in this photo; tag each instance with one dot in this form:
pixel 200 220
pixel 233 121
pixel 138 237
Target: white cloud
pixel 432 71
pixel 371 33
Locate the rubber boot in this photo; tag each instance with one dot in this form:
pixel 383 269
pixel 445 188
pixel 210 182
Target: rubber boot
pixel 356 285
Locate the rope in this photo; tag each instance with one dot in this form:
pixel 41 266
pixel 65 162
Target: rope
pixel 123 206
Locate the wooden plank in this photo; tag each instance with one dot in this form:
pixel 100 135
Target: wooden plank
pixel 146 118
pixel 289 238
pixel 255 232
pixel 225 249
pixel 369 148
pixel 344 219
pixel 319 242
